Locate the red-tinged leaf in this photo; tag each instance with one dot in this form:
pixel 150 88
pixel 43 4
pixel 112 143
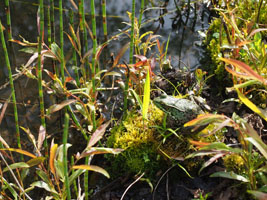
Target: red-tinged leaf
pixel 53 151
pixel 92 168
pixel 247 71
pixel 20 151
pixel 259 195
pixel 97 135
pixel 72 42
pixel 35 161
pixel 256 31
pixel 68 79
pixel 141 57
pixel 204 119
pixel 120 54
pixel 100 150
pixel 57 107
pixel 99 51
pixel 41 137
pixel 198 143
pixel 4 110
pixel 211 160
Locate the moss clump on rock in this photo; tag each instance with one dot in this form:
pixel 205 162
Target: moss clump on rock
pixel 139 139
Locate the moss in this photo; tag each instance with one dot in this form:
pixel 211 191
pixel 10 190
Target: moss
pixel 235 163
pixel 138 138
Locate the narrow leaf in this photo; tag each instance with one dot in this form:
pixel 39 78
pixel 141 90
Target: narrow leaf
pixel 57 107
pixel 146 96
pixel 92 168
pixel 35 161
pixel 16 166
pixel 230 175
pixel 251 105
pixel 53 151
pixel 98 134
pixel 20 151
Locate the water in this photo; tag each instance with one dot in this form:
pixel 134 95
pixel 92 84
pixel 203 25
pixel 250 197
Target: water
pixel 183 50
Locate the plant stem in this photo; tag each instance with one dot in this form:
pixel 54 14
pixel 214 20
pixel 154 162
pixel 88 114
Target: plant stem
pixel 40 65
pixel 11 85
pixel 104 17
pixel 65 158
pixel 62 60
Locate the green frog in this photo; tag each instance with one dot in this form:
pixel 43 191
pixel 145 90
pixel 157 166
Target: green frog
pixel 178 110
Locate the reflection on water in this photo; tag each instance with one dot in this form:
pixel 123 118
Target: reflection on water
pixel 183 30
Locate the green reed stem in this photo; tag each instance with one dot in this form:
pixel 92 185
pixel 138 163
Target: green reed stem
pixel 74 56
pixel 141 13
pixel 83 37
pixel 93 58
pixel 132 33
pixel 49 39
pixel 40 65
pixel 11 85
pixel 62 60
pixel 125 98
pixel 8 20
pixel 65 154
pixel 104 18
pixel 52 18
pixel 74 182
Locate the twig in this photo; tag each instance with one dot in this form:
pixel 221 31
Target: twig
pixel 132 185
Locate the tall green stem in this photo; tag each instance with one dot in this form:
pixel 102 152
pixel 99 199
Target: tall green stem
pixel 93 59
pixel 62 64
pixel 65 157
pixel 8 19
pixel 11 85
pixel 40 65
pixel 104 18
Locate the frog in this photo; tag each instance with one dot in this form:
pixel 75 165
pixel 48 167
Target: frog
pixel 178 110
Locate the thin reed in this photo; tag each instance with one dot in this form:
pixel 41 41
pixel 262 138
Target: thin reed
pixel 8 20
pixel 65 155
pixel 11 85
pixel 93 59
pixel 104 18
pixel 61 32
pixel 40 65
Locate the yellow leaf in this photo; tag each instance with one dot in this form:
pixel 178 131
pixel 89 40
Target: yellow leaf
pixel 53 151
pixel 251 105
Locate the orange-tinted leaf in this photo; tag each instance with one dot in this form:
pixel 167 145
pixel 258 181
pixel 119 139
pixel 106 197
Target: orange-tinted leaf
pixel 204 119
pixel 53 151
pixel 20 151
pixel 198 143
pixel 92 168
pixel 247 71
pixel 120 54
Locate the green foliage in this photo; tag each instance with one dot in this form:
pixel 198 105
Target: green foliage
pixel 231 36
pixel 139 139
